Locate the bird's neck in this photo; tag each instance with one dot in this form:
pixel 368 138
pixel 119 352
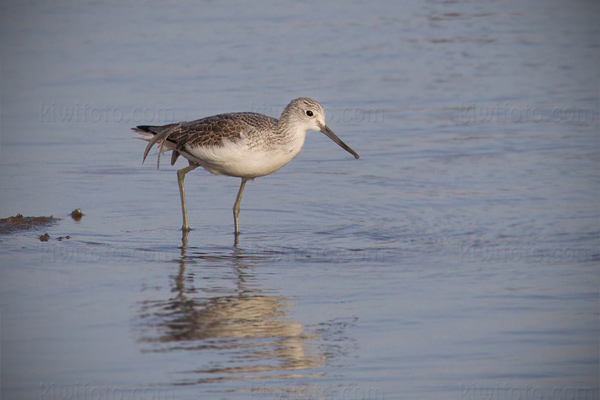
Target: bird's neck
pixel 293 135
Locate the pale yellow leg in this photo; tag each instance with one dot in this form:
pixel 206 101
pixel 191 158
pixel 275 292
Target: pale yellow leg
pixel 236 206
pixel 180 177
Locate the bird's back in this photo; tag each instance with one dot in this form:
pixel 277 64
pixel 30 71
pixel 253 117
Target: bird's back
pixel 212 131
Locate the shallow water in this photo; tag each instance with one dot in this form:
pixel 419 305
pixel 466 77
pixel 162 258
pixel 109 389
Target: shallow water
pixel 456 259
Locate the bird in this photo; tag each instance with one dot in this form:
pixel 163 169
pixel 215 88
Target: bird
pixel 245 145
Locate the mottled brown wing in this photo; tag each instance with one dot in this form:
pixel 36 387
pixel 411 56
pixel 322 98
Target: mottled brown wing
pixel 211 131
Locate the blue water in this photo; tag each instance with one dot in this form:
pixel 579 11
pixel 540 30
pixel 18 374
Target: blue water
pixel 458 258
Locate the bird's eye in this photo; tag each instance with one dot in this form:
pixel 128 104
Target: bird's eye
pixel 309 113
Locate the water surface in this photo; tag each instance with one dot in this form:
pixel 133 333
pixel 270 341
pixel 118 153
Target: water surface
pixel 456 259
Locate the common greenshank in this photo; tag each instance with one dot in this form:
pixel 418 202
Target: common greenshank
pixel 246 145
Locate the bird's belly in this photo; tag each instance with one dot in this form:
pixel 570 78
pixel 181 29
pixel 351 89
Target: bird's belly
pixel 238 160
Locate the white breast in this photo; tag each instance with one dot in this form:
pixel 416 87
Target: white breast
pixel 241 160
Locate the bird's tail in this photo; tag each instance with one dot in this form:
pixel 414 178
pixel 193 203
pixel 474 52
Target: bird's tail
pixel 155 135
pixel 146 132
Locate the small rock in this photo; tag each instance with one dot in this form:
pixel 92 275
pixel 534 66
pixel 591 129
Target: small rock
pixel 77 214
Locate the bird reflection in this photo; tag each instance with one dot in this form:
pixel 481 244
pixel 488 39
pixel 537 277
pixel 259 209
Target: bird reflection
pixel 217 309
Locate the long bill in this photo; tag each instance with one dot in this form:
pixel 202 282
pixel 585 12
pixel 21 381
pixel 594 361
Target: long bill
pixel 329 133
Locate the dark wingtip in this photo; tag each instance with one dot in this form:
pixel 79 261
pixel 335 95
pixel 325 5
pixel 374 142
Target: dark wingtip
pixel 144 128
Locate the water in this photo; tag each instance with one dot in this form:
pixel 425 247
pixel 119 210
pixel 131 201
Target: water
pixel 457 259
